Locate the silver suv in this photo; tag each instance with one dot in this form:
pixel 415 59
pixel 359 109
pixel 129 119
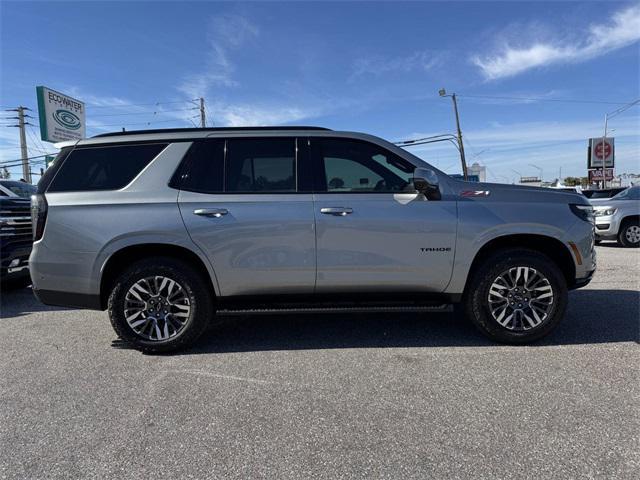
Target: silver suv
pixel 169 229
pixel 618 218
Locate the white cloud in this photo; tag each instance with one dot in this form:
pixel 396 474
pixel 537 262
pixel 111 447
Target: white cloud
pixel 378 65
pixel 226 33
pixel 255 115
pixel 621 30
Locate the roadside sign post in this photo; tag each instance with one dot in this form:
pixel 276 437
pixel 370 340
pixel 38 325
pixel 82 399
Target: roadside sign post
pixel 62 117
pixel 601 156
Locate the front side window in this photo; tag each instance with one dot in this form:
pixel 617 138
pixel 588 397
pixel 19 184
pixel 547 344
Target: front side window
pixel 104 167
pixel 351 166
pixel 260 165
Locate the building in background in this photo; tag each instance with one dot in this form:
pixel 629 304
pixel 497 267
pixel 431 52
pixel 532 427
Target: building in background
pixel 479 171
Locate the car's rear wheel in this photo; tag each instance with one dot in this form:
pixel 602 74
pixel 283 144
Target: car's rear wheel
pixel 516 296
pixel 629 235
pixel 160 305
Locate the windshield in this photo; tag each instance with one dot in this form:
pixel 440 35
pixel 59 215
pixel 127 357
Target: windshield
pixel 21 189
pixel 631 193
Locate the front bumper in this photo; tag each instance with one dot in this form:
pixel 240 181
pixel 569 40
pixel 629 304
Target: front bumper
pixel 607 227
pixel 15 260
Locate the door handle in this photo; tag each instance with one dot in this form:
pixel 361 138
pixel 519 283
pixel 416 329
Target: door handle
pixel 211 212
pixel 337 211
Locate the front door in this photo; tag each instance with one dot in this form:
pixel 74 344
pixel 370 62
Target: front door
pixel 374 232
pixel 240 203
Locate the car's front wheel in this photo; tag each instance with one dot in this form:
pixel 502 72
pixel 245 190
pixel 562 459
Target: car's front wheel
pixel 160 304
pixel 516 296
pixel 629 235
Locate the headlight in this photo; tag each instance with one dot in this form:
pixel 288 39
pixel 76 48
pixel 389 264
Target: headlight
pixel 584 212
pixel 605 212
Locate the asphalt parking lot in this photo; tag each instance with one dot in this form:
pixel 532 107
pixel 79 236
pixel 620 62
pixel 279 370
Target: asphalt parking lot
pixel 365 396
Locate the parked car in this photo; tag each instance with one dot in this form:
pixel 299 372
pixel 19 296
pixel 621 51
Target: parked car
pixel 13 189
pixel 167 229
pixel 15 241
pixel 606 193
pixel 618 218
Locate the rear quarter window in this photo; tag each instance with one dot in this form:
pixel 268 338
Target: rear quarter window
pixel 103 168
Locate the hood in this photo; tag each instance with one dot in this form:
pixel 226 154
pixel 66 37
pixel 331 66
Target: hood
pixel 502 192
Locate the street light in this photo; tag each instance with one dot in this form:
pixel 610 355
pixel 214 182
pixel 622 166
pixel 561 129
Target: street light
pixel 607 116
pixel 443 93
pixel 538 168
pixel 519 174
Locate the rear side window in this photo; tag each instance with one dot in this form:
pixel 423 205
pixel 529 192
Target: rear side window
pixel 103 168
pixel 261 165
pixel 205 167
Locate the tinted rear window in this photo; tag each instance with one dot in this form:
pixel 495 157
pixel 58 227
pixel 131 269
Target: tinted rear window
pixel 103 168
pixel 205 167
pixel 262 165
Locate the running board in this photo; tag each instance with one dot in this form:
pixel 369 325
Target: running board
pixel 442 308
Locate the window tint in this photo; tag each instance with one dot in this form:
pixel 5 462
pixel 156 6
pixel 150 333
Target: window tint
pixel 261 165
pixel 631 193
pixel 22 189
pixel 205 167
pixel 354 166
pixel 103 168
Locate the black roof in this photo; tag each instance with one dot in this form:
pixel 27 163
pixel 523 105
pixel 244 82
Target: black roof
pixel 213 129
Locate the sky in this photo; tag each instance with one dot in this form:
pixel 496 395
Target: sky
pixel 534 80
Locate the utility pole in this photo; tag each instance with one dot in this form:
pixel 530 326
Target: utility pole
pixel 604 167
pixel 203 118
pixel 443 93
pixel 607 116
pixel 26 174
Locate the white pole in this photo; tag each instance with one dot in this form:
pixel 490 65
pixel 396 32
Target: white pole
pixel 604 172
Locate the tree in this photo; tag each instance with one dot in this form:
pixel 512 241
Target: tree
pixel 5 174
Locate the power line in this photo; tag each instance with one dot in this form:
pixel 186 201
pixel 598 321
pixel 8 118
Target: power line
pixel 122 105
pixel 28 158
pixel 145 123
pixel 156 112
pixel 542 99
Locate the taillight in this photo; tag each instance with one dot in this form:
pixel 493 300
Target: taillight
pixel 38 215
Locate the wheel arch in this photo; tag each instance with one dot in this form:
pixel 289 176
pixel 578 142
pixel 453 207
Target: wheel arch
pixel 125 256
pixel 551 247
pixel 629 218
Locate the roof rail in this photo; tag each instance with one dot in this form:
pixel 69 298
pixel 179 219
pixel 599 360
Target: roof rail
pixel 212 129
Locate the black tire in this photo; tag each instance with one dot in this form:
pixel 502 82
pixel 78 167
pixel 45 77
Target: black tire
pixel 476 298
pixel 196 290
pixel 624 233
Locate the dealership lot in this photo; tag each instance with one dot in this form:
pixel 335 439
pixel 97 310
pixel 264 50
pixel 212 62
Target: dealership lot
pixel 382 396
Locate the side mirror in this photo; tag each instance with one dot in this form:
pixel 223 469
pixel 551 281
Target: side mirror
pixel 426 181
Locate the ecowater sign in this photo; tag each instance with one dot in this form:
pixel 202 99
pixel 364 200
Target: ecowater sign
pixel 61 116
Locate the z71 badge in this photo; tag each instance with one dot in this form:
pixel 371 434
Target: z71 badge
pixel 475 193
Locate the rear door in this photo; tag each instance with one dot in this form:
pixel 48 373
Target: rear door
pixel 241 203
pixel 374 232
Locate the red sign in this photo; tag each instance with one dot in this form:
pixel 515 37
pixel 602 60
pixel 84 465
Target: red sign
pixel 596 175
pixel 601 150
pixel 600 147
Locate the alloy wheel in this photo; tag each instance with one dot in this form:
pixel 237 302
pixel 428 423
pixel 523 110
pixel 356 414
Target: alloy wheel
pixel 520 298
pixel 157 308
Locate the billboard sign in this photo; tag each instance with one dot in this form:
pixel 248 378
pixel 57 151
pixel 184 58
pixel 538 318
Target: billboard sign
pixel 600 151
pixel 61 117
pixel 596 175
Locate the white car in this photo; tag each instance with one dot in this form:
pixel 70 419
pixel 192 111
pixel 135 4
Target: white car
pixel 618 217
